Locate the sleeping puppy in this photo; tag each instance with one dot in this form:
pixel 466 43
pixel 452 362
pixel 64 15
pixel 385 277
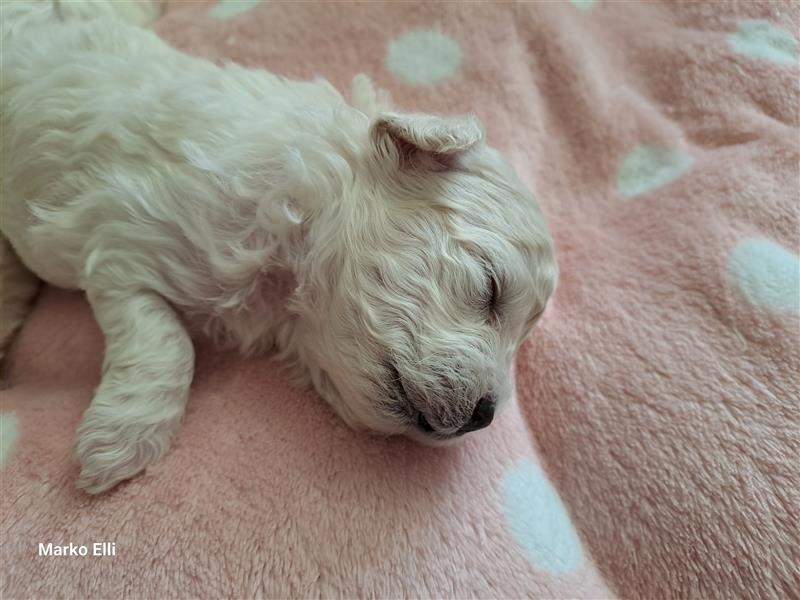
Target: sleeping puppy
pixel 183 196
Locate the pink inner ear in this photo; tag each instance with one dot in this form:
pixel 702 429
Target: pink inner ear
pixel 412 156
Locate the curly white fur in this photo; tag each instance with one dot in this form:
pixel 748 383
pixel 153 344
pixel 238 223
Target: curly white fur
pixel 361 243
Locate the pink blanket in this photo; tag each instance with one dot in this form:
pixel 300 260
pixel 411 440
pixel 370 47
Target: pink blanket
pixel 653 450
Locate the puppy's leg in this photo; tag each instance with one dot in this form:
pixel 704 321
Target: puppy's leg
pixel 147 371
pixel 18 286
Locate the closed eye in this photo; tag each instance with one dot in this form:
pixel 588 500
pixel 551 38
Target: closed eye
pixel 493 298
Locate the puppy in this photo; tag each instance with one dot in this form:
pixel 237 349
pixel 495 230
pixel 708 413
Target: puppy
pixel 184 197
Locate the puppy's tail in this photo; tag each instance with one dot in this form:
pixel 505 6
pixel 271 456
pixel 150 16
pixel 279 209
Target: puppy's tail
pixel 19 15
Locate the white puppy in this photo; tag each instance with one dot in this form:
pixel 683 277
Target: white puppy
pixel 394 260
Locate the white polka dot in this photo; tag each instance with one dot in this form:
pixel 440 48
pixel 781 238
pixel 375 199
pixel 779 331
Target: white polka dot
pixel 225 9
pixel 650 167
pixel 761 39
pixel 423 57
pixel 583 4
pixel 538 520
pixel 767 274
pixel 8 435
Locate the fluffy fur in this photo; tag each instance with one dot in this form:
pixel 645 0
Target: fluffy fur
pixel 394 260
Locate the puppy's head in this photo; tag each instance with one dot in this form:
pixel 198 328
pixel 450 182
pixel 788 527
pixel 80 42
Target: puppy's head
pixel 418 286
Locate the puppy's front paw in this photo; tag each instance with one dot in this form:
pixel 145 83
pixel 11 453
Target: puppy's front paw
pixel 110 450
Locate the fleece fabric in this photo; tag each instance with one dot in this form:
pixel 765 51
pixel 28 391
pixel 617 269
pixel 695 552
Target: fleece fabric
pixel 652 451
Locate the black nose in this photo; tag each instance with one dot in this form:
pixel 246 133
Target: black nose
pixel 482 415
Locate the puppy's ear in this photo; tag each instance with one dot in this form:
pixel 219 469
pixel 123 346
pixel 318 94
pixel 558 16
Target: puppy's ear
pixel 424 140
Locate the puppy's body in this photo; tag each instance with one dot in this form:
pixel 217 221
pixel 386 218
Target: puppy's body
pixel 130 165
pixel 177 192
